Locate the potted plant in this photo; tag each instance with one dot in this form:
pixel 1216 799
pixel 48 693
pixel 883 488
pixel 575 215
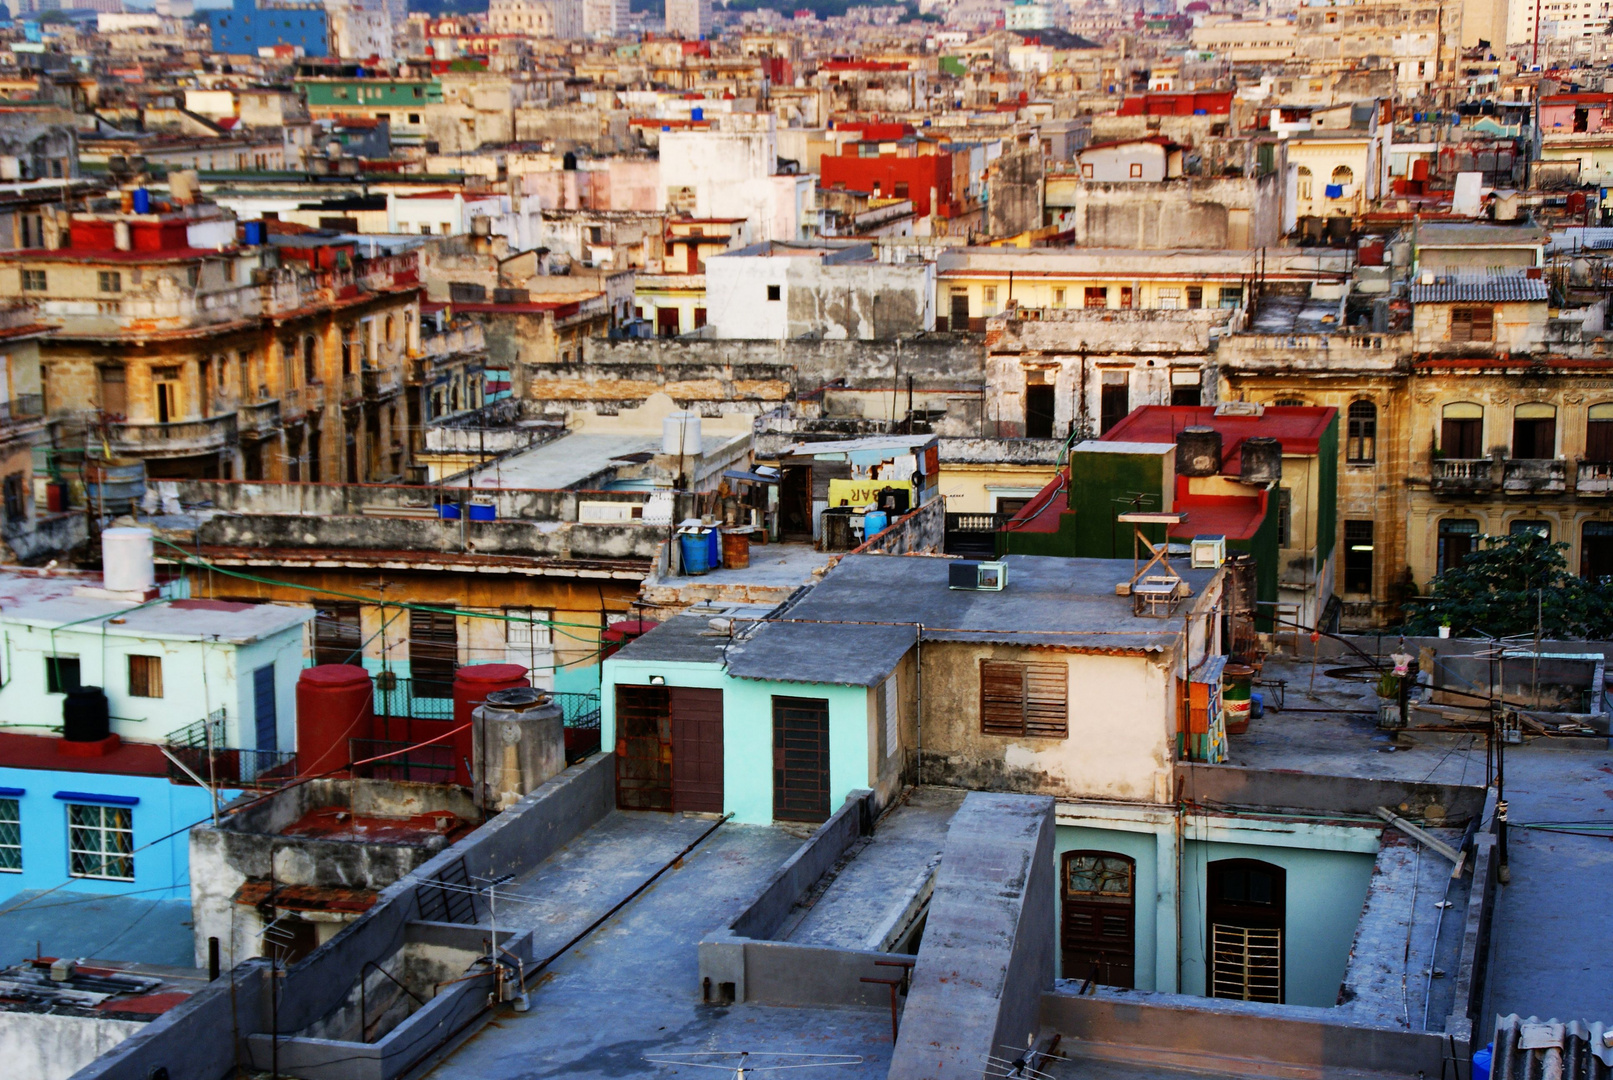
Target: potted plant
pixel 1445 627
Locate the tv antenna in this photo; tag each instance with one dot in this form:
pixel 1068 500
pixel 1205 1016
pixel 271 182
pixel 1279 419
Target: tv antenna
pixel 739 1062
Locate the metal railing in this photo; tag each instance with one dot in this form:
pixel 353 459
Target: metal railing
pixel 433 764
pixel 200 748
pixel 403 699
pixel 189 436
pixel 415 699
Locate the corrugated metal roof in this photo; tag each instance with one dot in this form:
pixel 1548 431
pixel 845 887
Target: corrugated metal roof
pixel 1529 1048
pixel 1495 290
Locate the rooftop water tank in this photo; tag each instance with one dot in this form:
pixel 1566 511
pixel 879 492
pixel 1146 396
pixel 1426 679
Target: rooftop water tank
pixel 1198 452
pixel 1260 460
pixel 86 716
pixel 335 703
pixel 519 741
pixel 680 433
pixel 472 684
pixel 126 560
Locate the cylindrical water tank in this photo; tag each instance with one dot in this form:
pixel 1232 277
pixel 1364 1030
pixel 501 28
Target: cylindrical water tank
pixel 1198 452
pixel 680 433
pixel 126 560
pixel 85 715
pixel 122 239
pixel 335 703
pixel 472 684
pixel 519 742
pixel 1260 460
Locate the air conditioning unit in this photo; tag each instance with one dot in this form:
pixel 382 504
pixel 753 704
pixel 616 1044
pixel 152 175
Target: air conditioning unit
pixel 1208 552
pixel 977 576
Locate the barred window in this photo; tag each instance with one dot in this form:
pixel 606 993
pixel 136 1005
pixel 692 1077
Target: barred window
pixel 100 841
pixel 10 836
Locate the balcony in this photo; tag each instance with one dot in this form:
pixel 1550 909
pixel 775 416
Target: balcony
pixel 154 311
pixel 381 383
pixel 22 407
pixel 177 439
pixel 352 389
pixel 258 420
pixel 1531 476
pixel 1463 475
pixel 1593 478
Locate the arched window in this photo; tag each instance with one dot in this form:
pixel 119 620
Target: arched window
pixel 1461 430
pixel 1097 919
pixel 1361 440
pixel 1246 908
pixel 1599 433
pixel 1342 176
pixel 1534 431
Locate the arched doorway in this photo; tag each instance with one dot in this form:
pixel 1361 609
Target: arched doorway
pixel 1246 909
pixel 1098 917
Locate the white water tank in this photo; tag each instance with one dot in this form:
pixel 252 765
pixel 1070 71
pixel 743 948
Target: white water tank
pixel 126 560
pixel 680 433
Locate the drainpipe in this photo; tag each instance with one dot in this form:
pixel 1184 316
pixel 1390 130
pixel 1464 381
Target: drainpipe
pixel 918 702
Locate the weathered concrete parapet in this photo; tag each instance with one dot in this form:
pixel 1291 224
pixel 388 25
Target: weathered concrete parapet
pixel 987 954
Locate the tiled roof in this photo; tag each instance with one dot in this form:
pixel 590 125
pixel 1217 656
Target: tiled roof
pixel 1496 290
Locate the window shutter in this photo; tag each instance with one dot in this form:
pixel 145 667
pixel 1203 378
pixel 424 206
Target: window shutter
pixel 1047 700
pixel 1002 698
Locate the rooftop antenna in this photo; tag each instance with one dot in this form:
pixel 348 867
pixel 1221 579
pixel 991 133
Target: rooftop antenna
pixel 738 1062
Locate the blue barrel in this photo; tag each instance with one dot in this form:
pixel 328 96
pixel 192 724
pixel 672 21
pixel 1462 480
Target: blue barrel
pixel 448 511
pixel 254 232
pixel 696 551
pixel 1257 705
pixel 714 548
pixel 483 511
pixel 142 201
pixel 1481 1062
pixel 697 113
pixel 874 523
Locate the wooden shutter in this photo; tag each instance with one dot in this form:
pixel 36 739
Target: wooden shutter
pixel 1024 699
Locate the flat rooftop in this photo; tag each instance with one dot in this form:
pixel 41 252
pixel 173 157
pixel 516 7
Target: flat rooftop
pixel 109 930
pixel 53 601
pixel 562 463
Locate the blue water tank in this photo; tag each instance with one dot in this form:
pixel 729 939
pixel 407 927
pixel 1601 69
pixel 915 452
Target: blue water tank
pixel 142 201
pixel 714 548
pixel 254 232
pixel 874 523
pixel 483 511
pixel 696 551
pixel 448 511
pixel 697 113
pixel 1481 1062
pixel 1257 705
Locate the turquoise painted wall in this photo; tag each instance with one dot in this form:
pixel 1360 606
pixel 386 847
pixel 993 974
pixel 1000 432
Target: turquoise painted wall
pixel 748 729
pixel 1326 891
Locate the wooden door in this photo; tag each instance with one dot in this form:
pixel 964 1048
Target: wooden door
pixel 800 759
pixel 1246 909
pixel 795 503
pixel 643 748
pixel 1098 917
pixel 697 750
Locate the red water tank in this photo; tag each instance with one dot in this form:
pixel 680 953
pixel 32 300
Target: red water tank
pixel 335 703
pixel 472 684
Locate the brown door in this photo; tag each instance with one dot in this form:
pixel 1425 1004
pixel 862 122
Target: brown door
pixel 666 322
pixel 800 759
pixel 696 750
pixel 959 319
pixel 1097 926
pixel 643 748
pixel 1038 411
pixel 795 503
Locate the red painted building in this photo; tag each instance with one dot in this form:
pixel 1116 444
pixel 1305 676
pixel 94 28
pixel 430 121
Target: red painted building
pixel 1217 103
pixel 894 177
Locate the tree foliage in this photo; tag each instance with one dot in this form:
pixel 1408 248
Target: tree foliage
pixel 1507 585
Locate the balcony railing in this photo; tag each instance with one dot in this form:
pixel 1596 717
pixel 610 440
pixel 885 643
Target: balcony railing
pixel 176 438
pixel 1593 478
pixel 1463 474
pixel 22 407
pixel 200 748
pixel 460 339
pixel 1526 476
pixel 973 535
pixel 422 699
pixel 259 419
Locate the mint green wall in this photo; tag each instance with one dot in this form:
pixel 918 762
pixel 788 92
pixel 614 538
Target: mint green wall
pixel 1326 891
pixel 748 729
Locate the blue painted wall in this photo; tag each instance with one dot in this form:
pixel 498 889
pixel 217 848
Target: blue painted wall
pixel 161 871
pixel 246 28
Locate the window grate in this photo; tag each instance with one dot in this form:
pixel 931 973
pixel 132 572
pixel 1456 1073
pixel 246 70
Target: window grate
pixel 1247 963
pixel 100 842
pixel 10 835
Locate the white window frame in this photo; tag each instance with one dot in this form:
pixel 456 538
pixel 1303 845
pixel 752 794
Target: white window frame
pixel 109 825
pixel 530 644
pixel 11 814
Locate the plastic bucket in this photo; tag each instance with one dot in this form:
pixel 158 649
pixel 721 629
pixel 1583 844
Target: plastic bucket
pixel 483 511
pixel 1235 697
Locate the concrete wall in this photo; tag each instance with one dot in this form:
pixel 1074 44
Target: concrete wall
pixel 1271 789
pixel 328 500
pixel 519 538
pixel 43 1046
pixel 857 301
pixel 987 951
pixel 923 531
